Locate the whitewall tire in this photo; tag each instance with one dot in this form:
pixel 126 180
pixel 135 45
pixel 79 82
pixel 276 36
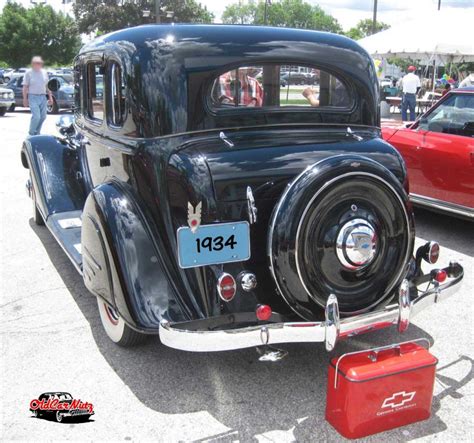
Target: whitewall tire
pixel 115 327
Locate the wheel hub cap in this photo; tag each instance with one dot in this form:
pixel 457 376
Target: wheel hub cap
pixel 356 244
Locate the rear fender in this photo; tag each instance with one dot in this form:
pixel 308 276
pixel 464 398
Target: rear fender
pixel 122 259
pixel 56 173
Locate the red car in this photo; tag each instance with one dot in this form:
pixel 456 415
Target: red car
pixel 439 153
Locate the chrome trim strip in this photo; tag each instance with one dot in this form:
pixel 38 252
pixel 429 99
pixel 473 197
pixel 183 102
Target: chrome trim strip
pixel 301 332
pixel 441 205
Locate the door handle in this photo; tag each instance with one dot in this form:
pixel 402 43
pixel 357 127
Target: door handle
pixel 417 148
pixel 472 158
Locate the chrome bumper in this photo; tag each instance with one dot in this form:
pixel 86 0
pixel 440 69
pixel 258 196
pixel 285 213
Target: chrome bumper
pixel 328 331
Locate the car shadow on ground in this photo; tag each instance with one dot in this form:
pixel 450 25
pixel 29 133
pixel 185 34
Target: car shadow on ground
pixel 245 395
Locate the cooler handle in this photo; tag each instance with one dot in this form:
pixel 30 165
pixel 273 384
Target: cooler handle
pixel 375 351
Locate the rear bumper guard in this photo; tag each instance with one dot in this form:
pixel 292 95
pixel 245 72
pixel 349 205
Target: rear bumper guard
pixel 328 331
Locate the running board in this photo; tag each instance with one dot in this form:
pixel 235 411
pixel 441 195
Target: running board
pixel 66 229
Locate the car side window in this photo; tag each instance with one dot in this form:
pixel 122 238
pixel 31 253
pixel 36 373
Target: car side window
pixel 116 96
pixel 95 91
pixel 454 116
pixel 275 85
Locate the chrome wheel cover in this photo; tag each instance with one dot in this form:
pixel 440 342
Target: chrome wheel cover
pixel 356 244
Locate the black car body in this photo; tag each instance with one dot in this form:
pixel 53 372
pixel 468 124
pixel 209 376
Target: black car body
pixel 62 409
pixel 63 98
pixel 185 156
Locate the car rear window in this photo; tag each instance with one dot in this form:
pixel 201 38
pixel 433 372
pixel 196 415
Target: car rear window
pixel 278 85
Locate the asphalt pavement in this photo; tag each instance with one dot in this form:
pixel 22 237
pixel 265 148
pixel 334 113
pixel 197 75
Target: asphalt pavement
pixel 52 340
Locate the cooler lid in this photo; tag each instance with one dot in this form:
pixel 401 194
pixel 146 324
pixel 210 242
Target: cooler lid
pixel 368 365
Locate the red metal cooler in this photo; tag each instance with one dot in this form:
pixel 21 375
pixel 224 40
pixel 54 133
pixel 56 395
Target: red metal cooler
pixel 379 389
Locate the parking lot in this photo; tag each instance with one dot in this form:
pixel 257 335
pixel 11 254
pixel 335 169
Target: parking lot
pixel 52 340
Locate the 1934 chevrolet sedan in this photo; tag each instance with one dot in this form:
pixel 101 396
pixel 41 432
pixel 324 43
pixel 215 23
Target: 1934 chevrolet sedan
pixel 206 201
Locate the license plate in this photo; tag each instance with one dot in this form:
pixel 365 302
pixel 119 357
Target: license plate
pixel 213 244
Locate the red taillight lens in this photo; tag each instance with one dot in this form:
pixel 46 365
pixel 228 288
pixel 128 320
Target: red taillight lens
pixel 226 287
pixel 263 312
pixel 433 253
pixel 441 275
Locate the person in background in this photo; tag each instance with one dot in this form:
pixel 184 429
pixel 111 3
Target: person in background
pixel 240 89
pixel 447 88
pixel 339 96
pixel 468 81
pixel 34 94
pixel 410 85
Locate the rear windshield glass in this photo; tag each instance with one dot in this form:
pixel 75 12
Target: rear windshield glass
pixel 275 85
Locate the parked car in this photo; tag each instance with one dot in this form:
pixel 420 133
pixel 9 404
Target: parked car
pixel 63 98
pixel 6 74
pixel 439 153
pixel 62 71
pixel 61 412
pixel 7 98
pixel 296 78
pixel 201 210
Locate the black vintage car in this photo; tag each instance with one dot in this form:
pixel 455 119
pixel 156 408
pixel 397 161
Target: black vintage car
pixel 199 208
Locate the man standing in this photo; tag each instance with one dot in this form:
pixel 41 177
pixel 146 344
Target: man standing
pixel 34 94
pixel 410 86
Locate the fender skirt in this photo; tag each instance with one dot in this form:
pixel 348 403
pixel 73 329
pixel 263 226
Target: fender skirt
pixel 122 262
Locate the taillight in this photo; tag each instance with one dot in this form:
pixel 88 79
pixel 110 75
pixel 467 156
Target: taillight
pixel 226 287
pixel 433 253
pixel 440 275
pixel 263 312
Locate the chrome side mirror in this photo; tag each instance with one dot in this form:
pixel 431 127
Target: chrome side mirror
pixel 65 124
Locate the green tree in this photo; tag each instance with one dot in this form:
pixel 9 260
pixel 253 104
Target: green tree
pixel 364 29
pixel 102 16
pixel 38 30
pixel 240 13
pixel 284 13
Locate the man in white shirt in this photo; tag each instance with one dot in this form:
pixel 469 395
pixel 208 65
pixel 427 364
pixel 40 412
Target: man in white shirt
pixel 410 85
pixel 35 88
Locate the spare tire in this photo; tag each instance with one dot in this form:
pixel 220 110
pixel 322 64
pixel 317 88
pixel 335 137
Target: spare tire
pixel 344 227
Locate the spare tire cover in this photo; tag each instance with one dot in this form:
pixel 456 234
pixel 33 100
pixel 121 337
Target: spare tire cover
pixel 345 227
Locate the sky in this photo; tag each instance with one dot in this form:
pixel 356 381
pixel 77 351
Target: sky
pixel 347 12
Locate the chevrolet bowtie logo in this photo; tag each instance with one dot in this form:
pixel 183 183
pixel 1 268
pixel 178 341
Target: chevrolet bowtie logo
pixel 398 399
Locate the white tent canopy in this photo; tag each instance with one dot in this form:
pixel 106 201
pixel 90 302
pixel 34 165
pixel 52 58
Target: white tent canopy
pixel 447 36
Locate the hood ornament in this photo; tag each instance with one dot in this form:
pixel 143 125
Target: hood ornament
pixel 194 216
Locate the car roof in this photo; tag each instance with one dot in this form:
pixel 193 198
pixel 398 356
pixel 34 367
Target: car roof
pixel 55 393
